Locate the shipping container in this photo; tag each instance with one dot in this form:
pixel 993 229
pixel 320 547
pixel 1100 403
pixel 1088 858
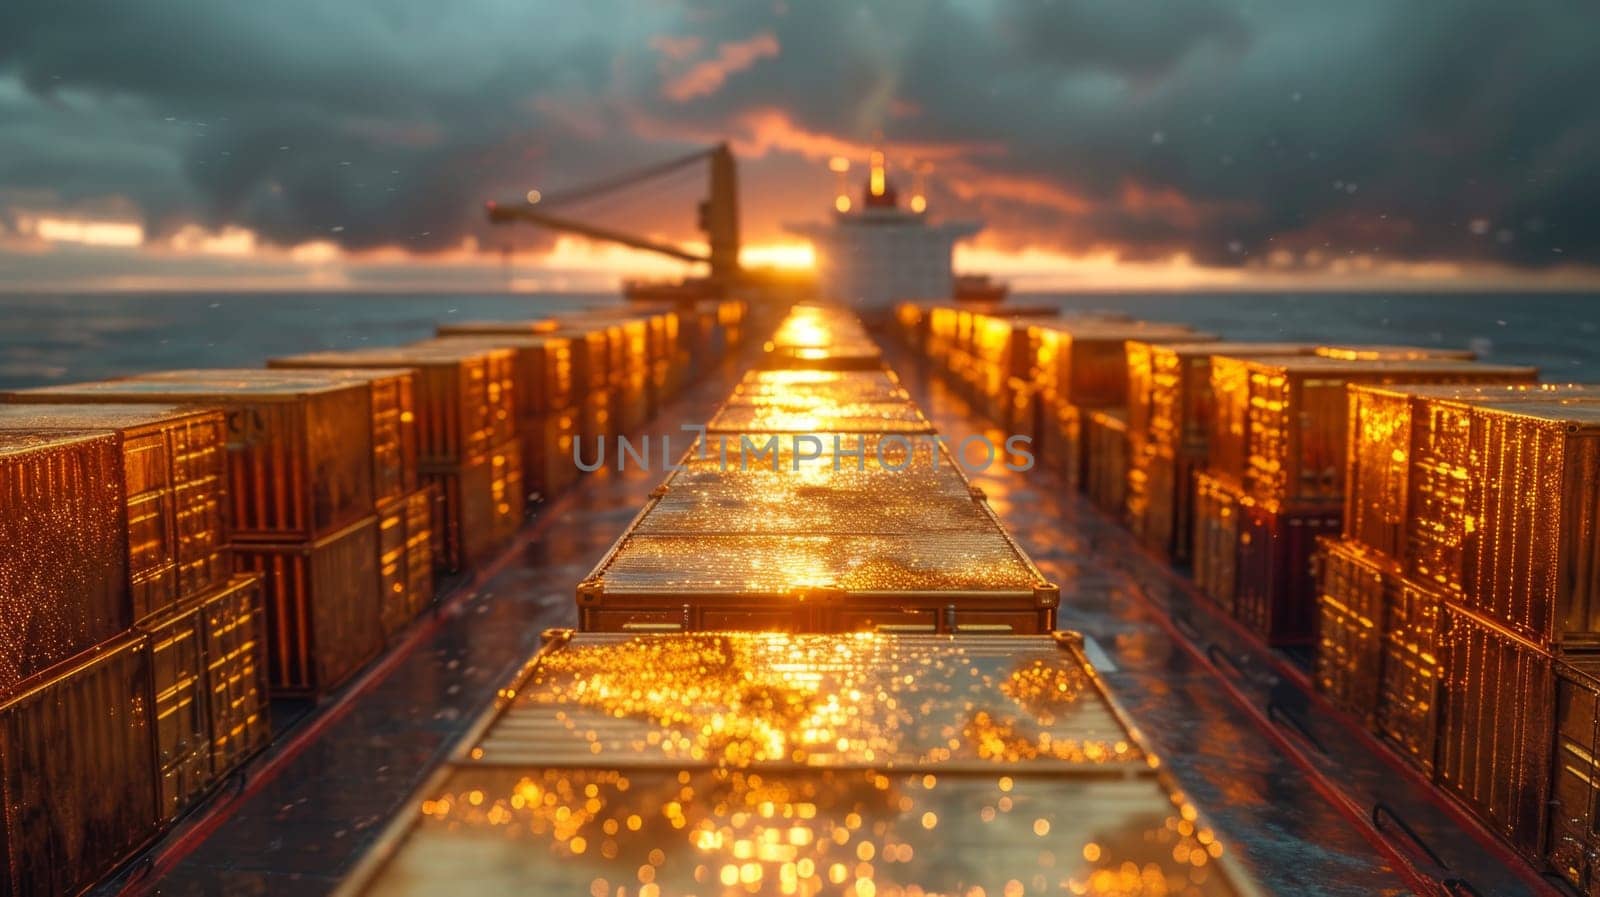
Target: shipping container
pixel 1106 444
pixel 1161 501
pixel 78 771
pixel 1496 721
pixel 419 550
pixel 1354 592
pixel 1394 353
pixel 1380 451
pixel 1532 561
pixel 1170 400
pixel 1275 594
pixel 465 396
pixel 595 420
pixel 1573 847
pixel 63 548
pixel 617 359
pixel 236 673
pixel 299 448
pixel 322 607
pixel 394 606
pixel 1216 538
pixel 543 363
pixel 851 803
pixel 548 466
pixel 182 724
pixel 866 484
pixel 174 472
pixel 1297 417
pixel 1061 426
pixel 968 582
pixel 1085 361
pixel 1408 687
pixel 482 505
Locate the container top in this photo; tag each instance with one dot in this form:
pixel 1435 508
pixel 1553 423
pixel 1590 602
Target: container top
pixel 1109 329
pixel 782 385
pixel 438 353
pixel 904 493
pixel 1378 352
pixel 1581 415
pixel 1316 364
pixel 507 340
pixel 15 443
pixel 219 388
pixel 94 417
pixel 802 764
pixel 524 327
pixel 1039 690
pixel 1484 392
pixel 1229 347
pixel 781 564
pixel 261 375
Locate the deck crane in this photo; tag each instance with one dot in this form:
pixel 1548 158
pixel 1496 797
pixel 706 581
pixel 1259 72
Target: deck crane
pixel 718 213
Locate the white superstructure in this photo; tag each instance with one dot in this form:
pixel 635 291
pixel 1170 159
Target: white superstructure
pixel 880 254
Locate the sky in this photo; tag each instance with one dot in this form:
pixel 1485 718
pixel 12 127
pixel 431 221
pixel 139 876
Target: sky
pixel 1105 143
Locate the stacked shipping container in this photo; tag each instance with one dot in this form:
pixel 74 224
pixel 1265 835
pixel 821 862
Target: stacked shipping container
pixel 818 501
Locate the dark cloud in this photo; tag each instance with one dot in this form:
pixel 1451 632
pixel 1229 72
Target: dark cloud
pixel 1227 130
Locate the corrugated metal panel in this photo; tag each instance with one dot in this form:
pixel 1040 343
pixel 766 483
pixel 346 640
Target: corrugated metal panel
pixel 63 548
pixel 236 673
pixel 299 449
pixel 544 367
pixel 801 787
pixel 394 607
pixel 1354 592
pixel 322 607
pixel 465 396
pixel 1106 443
pixel 1496 722
pixel 1408 689
pixel 1216 539
pixel 1574 836
pixel 1298 416
pixel 1275 595
pixel 173 470
pixel 419 550
pixel 182 721
pixel 482 504
pixel 78 771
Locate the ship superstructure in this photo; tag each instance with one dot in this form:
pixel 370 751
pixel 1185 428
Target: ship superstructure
pixel 874 253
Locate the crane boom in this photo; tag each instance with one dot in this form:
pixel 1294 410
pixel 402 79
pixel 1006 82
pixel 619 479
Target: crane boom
pixel 502 214
pixel 718 214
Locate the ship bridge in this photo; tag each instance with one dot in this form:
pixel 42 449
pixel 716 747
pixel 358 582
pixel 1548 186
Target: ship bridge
pixel 875 252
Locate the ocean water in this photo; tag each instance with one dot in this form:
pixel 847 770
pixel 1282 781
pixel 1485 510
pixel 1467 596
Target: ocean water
pixel 65 338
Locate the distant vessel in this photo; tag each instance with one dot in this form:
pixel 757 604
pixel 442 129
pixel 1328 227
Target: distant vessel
pixel 880 253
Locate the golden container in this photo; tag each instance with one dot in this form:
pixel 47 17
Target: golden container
pixel 647 753
pixel 1297 416
pixel 420 544
pixel 299 448
pixel 1085 360
pixel 1394 353
pixel 323 617
pixel 543 363
pixel 481 503
pixel 394 606
pixel 1216 538
pixel 182 724
pixel 1354 591
pixel 465 396
pixel 393 406
pixel 236 674
pixel 63 548
pixel 77 771
pixel 1408 688
pixel 1496 723
pixel 1106 445
pixel 174 474
pixel 1573 841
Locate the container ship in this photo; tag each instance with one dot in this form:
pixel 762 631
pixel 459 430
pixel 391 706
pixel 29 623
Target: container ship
pixel 717 592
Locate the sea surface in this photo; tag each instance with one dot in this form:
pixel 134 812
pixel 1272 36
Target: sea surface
pixel 66 338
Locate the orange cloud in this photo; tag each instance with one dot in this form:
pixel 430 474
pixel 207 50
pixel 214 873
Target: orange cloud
pixel 706 78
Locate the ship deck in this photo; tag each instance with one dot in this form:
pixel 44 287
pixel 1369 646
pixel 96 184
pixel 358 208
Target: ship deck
pixel 1293 787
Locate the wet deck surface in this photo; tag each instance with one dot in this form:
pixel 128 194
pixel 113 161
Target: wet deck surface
pixel 296 830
